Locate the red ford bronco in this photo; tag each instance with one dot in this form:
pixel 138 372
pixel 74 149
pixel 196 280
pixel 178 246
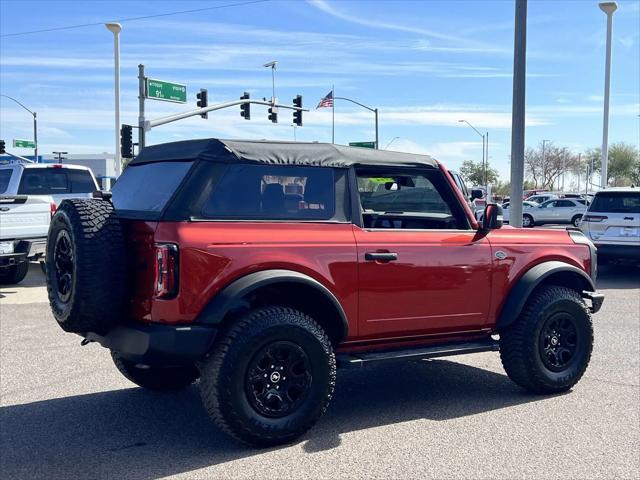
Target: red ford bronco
pixel 257 268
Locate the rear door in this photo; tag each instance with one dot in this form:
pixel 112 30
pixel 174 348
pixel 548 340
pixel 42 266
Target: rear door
pixel 422 270
pixel 614 218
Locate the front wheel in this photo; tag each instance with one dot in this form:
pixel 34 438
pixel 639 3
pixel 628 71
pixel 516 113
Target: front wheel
pixel 548 348
pixel 270 377
pixel 527 221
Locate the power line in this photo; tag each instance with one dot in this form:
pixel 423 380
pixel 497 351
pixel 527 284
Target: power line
pixel 130 19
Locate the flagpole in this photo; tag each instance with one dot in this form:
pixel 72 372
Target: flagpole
pixel 333 114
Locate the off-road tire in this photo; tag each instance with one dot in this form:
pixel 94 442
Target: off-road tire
pixel 520 342
pixel 575 221
pixel 531 221
pixel 95 269
pixel 14 274
pixel 156 377
pixel 226 394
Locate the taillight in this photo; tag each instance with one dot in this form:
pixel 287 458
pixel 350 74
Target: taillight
pixel 594 218
pixel 166 270
pixel 53 207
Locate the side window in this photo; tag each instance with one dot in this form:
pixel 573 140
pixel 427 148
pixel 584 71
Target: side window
pixel 408 200
pixel 5 176
pixel 267 192
pixel 565 204
pixel 549 204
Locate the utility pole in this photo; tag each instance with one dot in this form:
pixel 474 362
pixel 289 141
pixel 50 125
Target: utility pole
pixel 608 8
pixel 374 110
pixel 544 161
pixel 518 112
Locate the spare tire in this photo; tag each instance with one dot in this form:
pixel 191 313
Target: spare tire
pixel 85 266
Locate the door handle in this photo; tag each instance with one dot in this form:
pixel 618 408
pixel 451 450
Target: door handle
pixel 381 256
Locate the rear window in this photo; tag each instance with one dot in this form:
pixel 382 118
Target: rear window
pixel 5 176
pixel 616 202
pixel 52 181
pixel 146 189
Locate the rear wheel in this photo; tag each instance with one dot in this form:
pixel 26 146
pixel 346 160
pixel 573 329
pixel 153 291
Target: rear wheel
pixel 548 348
pixel 575 221
pixel 156 377
pixel 527 221
pixel 270 377
pixel 14 274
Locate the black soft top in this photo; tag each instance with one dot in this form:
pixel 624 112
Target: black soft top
pixel 280 153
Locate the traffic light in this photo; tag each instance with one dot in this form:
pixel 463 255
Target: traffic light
pixel 126 141
pixel 297 114
pixel 2 146
pixel 203 100
pixel 245 108
pixel 273 114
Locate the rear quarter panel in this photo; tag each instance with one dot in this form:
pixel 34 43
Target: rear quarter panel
pixel 525 248
pixel 214 254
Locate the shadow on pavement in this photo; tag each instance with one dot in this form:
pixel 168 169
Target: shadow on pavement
pixel 618 275
pixel 34 278
pixel 135 433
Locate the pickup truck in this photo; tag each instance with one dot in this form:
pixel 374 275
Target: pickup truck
pixel 24 223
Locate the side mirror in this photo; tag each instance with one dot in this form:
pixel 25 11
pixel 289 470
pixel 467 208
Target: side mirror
pixel 492 218
pixel 476 193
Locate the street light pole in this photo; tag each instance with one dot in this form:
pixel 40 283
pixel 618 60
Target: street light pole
pixel 116 28
pixel 608 8
pixel 484 150
pixel 374 110
pixel 35 126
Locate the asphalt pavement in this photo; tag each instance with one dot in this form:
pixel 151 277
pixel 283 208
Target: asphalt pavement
pixel 65 412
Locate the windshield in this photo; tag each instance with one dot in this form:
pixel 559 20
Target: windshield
pixel 616 202
pixel 142 191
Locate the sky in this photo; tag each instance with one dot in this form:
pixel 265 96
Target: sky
pixel 424 65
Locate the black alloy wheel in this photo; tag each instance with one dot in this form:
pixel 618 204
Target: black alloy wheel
pixel 278 379
pixel 64 262
pixel 558 342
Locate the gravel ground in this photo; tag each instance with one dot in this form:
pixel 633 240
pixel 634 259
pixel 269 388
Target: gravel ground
pixel 65 412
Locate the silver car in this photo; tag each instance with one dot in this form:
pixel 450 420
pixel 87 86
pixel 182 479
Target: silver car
pixel 613 223
pixel 559 210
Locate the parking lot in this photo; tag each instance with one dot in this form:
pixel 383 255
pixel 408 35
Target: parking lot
pixel 67 413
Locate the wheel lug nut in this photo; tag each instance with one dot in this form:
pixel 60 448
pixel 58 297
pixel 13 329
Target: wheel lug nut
pixel 284 378
pixel 268 386
pixel 271 366
pixel 277 387
pixel 265 375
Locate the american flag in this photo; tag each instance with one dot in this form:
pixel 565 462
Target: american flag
pixel 327 101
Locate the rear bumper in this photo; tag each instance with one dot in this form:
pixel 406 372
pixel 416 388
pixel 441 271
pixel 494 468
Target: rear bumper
pixel 157 343
pixel 29 247
pixel 618 251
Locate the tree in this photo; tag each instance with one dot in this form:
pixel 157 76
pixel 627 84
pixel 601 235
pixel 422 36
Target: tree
pixel 473 172
pixel 623 159
pixel 544 166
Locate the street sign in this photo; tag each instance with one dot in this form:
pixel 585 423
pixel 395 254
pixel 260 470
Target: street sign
pixel 23 144
pixel 363 144
pixel 167 91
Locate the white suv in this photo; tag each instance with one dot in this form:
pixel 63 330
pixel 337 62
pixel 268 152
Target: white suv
pixel 612 222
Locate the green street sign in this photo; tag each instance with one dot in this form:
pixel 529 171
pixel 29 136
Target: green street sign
pixel 363 144
pixel 167 91
pixel 23 144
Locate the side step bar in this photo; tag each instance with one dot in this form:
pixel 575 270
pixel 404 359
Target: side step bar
pixel 356 360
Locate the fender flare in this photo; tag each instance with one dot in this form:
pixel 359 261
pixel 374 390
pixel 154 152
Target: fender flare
pixel 231 295
pixel 520 292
